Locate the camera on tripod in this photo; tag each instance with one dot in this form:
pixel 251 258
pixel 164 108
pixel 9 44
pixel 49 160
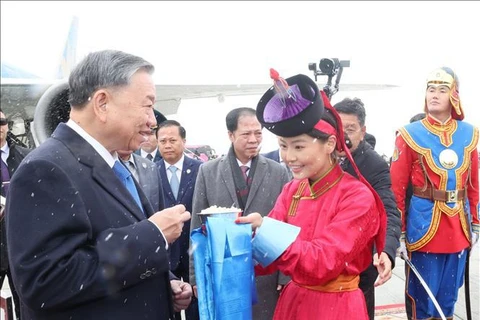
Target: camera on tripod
pixel 329 67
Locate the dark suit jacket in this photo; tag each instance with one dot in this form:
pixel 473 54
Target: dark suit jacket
pixel 274 155
pixel 15 156
pixel 79 246
pixel 377 172
pixel 179 249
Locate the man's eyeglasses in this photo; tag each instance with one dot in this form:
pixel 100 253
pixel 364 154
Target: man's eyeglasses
pixel 351 131
pixel 3 121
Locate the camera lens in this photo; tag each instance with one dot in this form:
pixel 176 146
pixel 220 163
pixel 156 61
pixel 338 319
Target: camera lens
pixel 327 66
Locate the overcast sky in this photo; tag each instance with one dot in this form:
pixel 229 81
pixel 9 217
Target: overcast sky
pixel 236 42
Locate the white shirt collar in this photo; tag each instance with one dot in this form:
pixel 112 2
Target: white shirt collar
pixel 143 153
pixel 101 150
pixel 178 164
pixel 131 160
pixel 6 152
pixel 248 164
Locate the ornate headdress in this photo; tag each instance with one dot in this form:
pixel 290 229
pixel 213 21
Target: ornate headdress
pixel 446 77
pixel 295 106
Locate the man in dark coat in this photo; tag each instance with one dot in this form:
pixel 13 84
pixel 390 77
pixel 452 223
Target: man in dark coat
pixel 376 171
pixel 12 155
pixel 85 242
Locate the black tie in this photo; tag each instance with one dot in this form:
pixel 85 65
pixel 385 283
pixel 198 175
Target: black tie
pixel 149 157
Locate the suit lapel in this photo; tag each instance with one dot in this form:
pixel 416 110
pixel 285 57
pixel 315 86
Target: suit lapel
pixel 166 185
pixel 157 157
pixel 185 179
pixel 101 172
pixel 105 177
pixel 227 177
pixel 277 156
pixel 258 177
pixel 147 206
pixel 142 175
pixel 143 180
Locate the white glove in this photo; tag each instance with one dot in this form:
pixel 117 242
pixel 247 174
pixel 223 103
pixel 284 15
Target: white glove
pixel 474 239
pixel 402 250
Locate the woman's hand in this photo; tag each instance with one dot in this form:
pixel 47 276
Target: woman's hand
pixel 254 218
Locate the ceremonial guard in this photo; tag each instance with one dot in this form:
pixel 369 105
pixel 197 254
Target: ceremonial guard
pixel 438 156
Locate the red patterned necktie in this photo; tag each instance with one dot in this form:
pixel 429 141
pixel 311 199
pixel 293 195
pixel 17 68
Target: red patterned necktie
pixel 244 171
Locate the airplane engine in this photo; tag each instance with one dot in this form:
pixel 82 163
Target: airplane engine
pixel 52 108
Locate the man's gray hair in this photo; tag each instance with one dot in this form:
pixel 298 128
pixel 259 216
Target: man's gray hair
pixel 103 69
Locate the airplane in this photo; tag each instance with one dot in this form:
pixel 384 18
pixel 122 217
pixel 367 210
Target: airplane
pixel 21 91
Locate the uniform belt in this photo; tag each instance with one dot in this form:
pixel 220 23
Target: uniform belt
pixel 340 284
pixel 448 196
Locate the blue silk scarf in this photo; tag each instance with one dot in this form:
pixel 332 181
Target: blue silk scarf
pixel 224 270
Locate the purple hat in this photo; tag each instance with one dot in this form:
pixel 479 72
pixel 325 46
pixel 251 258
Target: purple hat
pixel 291 107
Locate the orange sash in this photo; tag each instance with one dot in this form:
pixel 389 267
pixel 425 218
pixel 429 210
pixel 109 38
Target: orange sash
pixel 340 284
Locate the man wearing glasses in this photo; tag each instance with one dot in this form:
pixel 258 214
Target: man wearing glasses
pixel 377 173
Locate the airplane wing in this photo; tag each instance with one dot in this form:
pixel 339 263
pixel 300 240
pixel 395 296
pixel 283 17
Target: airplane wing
pixel 169 97
pixel 21 97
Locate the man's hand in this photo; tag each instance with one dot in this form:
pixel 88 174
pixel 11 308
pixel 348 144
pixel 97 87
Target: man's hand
pixel 3 202
pixel 402 249
pixel 182 294
pixel 384 268
pixel 254 218
pixel 170 221
pixel 474 239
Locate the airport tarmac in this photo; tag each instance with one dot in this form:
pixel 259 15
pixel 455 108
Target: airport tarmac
pixel 390 304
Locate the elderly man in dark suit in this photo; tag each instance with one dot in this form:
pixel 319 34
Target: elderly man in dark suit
pixel 179 174
pixel 246 180
pixel 12 155
pixel 86 243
